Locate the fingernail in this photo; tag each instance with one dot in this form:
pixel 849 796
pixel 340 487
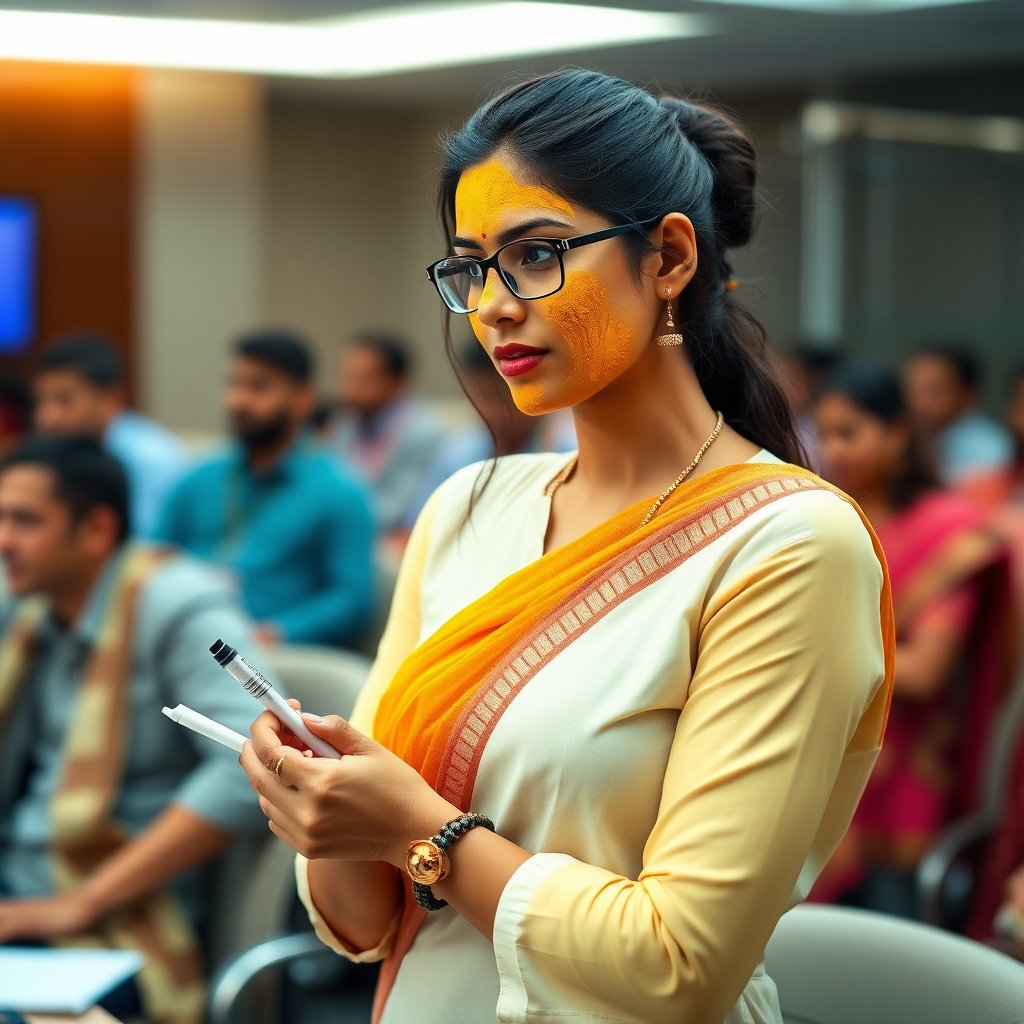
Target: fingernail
pixel 311 718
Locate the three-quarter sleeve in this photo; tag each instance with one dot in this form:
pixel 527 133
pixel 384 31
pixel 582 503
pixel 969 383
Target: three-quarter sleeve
pixel 400 638
pixel 767 762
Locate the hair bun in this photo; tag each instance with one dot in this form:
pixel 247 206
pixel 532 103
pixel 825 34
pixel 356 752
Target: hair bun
pixel 733 157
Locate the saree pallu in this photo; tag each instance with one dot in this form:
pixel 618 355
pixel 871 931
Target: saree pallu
pixel 445 700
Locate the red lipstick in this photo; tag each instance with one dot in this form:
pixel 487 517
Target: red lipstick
pixel 516 359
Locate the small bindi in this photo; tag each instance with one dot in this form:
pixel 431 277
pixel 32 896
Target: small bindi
pixel 484 234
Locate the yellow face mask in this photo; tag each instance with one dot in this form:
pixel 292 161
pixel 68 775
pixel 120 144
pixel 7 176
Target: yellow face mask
pixel 598 342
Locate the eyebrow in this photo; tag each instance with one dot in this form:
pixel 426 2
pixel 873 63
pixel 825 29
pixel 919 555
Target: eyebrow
pixel 515 232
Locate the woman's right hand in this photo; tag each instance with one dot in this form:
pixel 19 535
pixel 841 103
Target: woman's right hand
pixel 367 805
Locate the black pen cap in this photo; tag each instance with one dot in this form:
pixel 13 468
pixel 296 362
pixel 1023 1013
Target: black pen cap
pixel 222 652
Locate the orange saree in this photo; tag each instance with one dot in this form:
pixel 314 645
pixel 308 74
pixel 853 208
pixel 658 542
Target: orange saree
pixel 446 698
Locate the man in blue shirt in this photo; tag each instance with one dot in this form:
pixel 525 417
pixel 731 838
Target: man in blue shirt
pixel 79 389
pixel 941 383
pixel 292 525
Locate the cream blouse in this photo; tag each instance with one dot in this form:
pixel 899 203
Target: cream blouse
pixel 681 771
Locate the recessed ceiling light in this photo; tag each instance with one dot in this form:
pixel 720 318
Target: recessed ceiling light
pixel 392 40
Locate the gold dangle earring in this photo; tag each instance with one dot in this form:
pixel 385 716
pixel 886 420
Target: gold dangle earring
pixel 671 335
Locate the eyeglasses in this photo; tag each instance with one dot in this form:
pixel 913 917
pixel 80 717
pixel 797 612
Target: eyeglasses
pixel 531 268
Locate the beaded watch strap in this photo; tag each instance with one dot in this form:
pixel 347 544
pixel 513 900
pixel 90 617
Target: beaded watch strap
pixel 453 830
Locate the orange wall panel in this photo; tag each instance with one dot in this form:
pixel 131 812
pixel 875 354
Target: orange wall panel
pixel 67 141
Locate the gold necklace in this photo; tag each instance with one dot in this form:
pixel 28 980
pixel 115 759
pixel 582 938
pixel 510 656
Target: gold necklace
pixel 686 472
pixel 567 471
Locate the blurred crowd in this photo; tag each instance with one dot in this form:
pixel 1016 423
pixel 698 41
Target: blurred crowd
pixel 942 483
pixel 125 555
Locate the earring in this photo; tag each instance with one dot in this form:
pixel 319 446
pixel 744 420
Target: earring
pixel 671 335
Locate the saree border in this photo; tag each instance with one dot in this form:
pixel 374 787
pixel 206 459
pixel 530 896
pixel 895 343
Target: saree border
pixel 583 607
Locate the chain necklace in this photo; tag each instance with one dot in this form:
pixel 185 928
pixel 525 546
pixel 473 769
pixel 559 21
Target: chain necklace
pixel 565 473
pixel 686 472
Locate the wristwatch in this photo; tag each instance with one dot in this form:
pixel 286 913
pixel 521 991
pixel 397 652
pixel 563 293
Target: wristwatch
pixel 427 859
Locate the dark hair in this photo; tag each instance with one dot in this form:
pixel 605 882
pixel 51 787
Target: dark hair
pixel 15 404
pixel 91 356
pixel 85 476
pixel 634 157
pixel 814 357
pixel 960 359
pixel 392 350
pixel 283 350
pixel 877 392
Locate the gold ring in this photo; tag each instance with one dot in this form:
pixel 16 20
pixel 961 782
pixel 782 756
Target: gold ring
pixel 280 761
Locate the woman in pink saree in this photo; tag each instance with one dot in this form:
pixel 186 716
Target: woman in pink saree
pixel 953 616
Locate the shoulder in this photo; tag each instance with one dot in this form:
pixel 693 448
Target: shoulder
pixel 145 438
pixel 210 467
pixel 823 531
pixel 326 471
pixel 181 585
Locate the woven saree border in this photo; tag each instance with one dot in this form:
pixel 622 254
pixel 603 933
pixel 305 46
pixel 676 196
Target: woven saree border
pixel 656 556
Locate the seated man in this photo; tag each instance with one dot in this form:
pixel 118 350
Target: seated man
pixel 79 389
pixel 942 391
pixel 382 430
pixel 105 805
pixel 292 524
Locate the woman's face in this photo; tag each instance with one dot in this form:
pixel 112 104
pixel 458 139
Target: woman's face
pixel 859 451
pixel 561 350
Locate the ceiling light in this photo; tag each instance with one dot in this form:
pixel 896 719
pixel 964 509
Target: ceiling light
pixel 392 40
pixel 845 6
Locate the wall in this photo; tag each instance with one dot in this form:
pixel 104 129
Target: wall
pixel 350 227
pixel 199 237
pixel 67 141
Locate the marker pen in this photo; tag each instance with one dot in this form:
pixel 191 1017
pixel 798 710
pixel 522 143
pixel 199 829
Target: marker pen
pixel 259 686
pixel 183 715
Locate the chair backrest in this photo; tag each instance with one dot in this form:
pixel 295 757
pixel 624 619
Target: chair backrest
pixel 325 680
pixel 833 965
pixel 254 883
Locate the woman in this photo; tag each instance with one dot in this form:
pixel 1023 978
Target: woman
pixel 635 662
pixel 951 604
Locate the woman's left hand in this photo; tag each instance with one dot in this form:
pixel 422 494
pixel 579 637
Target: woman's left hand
pixel 369 805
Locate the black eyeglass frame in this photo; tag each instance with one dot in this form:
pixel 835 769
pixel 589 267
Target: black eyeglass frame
pixel 560 245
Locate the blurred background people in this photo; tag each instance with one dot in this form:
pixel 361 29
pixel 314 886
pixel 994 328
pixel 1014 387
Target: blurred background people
pixel 951 602
pixel 104 803
pixel 381 429
pixel 291 523
pixel 804 367
pixel 80 389
pixel 500 428
pixel 941 383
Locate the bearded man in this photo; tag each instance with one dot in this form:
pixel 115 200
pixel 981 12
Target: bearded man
pixel 285 518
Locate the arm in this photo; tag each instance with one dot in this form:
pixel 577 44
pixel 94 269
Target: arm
pixel 344 602
pixel 175 841
pixel 926 656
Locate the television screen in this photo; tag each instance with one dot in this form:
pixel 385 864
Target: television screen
pixel 18 230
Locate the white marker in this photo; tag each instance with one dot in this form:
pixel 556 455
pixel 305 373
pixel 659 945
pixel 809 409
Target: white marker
pixel 259 686
pixel 205 726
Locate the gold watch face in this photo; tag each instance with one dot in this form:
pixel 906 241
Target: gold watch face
pixel 426 862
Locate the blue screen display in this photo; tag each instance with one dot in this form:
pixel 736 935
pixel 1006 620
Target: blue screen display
pixel 18 239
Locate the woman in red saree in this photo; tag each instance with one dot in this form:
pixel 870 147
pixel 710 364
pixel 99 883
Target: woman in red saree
pixel 633 660
pixel 952 607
